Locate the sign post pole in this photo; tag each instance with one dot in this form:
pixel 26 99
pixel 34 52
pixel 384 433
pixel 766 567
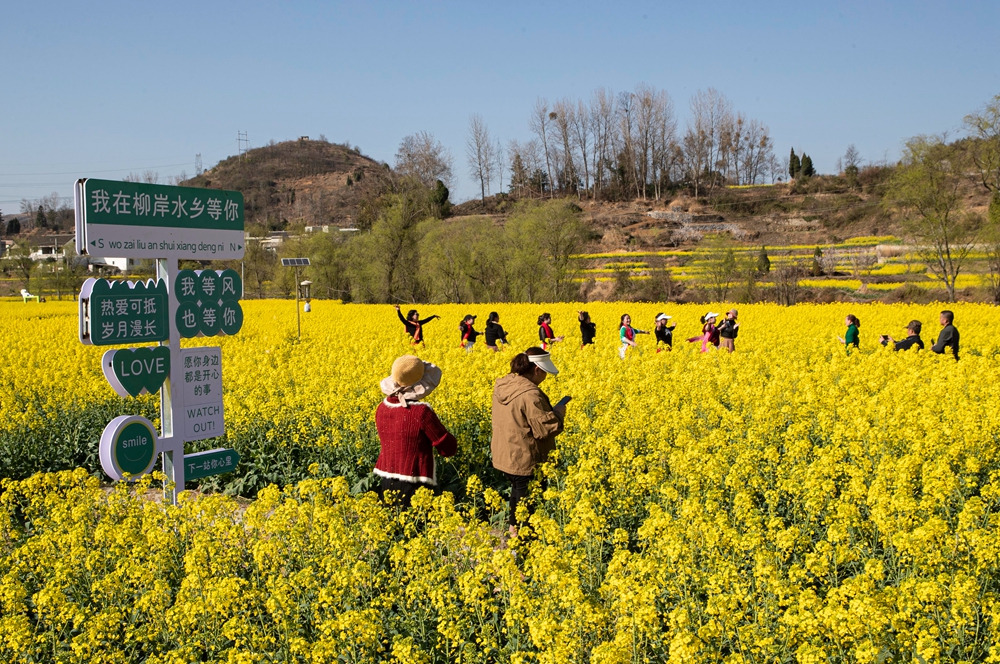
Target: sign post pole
pixel 172 441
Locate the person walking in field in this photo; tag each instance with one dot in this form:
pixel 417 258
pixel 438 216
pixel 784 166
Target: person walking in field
pixel 664 332
pixel 852 337
pixel 912 338
pixel 588 328
pixel 709 337
pixel 948 339
pixel 414 326
pixel 469 334
pixel 409 431
pixel 545 333
pixel 626 334
pixel 728 330
pixel 525 424
pixel 495 334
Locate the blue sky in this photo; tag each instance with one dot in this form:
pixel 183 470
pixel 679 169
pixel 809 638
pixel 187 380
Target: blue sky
pixel 107 88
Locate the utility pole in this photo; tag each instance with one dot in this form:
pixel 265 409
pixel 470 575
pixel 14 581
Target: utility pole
pixel 242 144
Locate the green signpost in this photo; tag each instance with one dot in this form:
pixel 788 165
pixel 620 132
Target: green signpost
pixel 138 220
pixel 212 462
pixel 167 224
pixel 123 312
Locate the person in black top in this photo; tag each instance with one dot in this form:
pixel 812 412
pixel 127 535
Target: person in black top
pixel 494 332
pixel 469 333
pixel 588 328
pixel 949 335
pixel 728 330
pixel 912 338
pixel 664 332
pixel 414 326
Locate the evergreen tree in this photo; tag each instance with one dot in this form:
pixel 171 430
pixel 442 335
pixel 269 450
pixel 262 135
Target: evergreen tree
pixel 439 200
pixel 794 166
pixel 763 262
pixel 817 269
pixel 807 166
pixel 13 227
pixel 519 179
pixel 41 221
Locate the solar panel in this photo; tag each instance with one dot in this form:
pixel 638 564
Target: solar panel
pixel 295 262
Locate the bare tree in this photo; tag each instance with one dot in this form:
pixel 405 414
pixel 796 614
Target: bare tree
pixel 564 117
pixel 479 152
pixel 539 125
pixel 984 127
pixel 499 159
pixel 421 156
pixel 710 112
pixel 926 189
pixel 602 113
pixel 582 133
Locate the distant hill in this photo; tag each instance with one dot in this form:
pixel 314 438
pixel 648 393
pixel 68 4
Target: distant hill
pixel 299 182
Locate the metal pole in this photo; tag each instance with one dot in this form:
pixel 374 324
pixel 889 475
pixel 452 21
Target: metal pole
pixel 298 316
pixel 171 440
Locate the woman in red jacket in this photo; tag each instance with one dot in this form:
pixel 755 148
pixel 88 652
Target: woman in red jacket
pixel 409 430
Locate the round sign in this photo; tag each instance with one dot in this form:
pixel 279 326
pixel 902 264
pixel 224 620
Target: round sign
pixel 188 319
pixel 231 317
pixel 211 319
pixel 186 286
pixel 231 285
pixel 209 287
pixel 128 445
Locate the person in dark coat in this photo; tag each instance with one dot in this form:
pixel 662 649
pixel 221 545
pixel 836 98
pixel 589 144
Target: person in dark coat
pixel 495 334
pixel 414 326
pixel 948 339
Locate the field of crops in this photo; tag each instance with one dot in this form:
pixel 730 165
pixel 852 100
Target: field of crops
pixel 787 503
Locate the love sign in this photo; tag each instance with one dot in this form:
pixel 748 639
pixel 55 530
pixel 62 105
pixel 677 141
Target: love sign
pixel 135 371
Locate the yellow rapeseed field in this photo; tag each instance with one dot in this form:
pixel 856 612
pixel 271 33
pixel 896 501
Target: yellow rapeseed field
pixel 791 502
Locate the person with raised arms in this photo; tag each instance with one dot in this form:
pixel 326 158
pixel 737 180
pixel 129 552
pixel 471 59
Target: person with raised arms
pixel 414 326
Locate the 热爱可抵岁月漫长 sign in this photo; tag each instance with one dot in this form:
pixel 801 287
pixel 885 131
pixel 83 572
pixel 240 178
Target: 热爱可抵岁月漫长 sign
pixel 139 220
pixel 115 313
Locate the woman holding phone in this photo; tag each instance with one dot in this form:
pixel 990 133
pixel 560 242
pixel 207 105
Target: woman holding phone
pixel 525 424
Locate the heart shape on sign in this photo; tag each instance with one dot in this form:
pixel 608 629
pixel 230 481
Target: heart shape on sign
pixel 135 371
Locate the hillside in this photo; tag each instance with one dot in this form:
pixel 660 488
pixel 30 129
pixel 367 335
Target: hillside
pixel 299 182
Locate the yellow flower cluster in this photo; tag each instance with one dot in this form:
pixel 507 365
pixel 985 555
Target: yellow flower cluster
pixel 788 502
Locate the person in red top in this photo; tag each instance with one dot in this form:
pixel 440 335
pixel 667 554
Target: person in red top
pixel 545 333
pixel 409 430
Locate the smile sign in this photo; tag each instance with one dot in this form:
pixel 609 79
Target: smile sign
pixel 128 445
pixel 135 371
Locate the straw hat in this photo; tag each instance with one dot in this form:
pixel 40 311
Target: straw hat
pixel 411 379
pixel 407 370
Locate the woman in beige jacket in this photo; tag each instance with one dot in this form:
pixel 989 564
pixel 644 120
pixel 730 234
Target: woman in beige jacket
pixel 525 424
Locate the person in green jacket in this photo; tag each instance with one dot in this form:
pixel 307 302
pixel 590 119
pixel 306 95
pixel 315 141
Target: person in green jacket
pixel 851 337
